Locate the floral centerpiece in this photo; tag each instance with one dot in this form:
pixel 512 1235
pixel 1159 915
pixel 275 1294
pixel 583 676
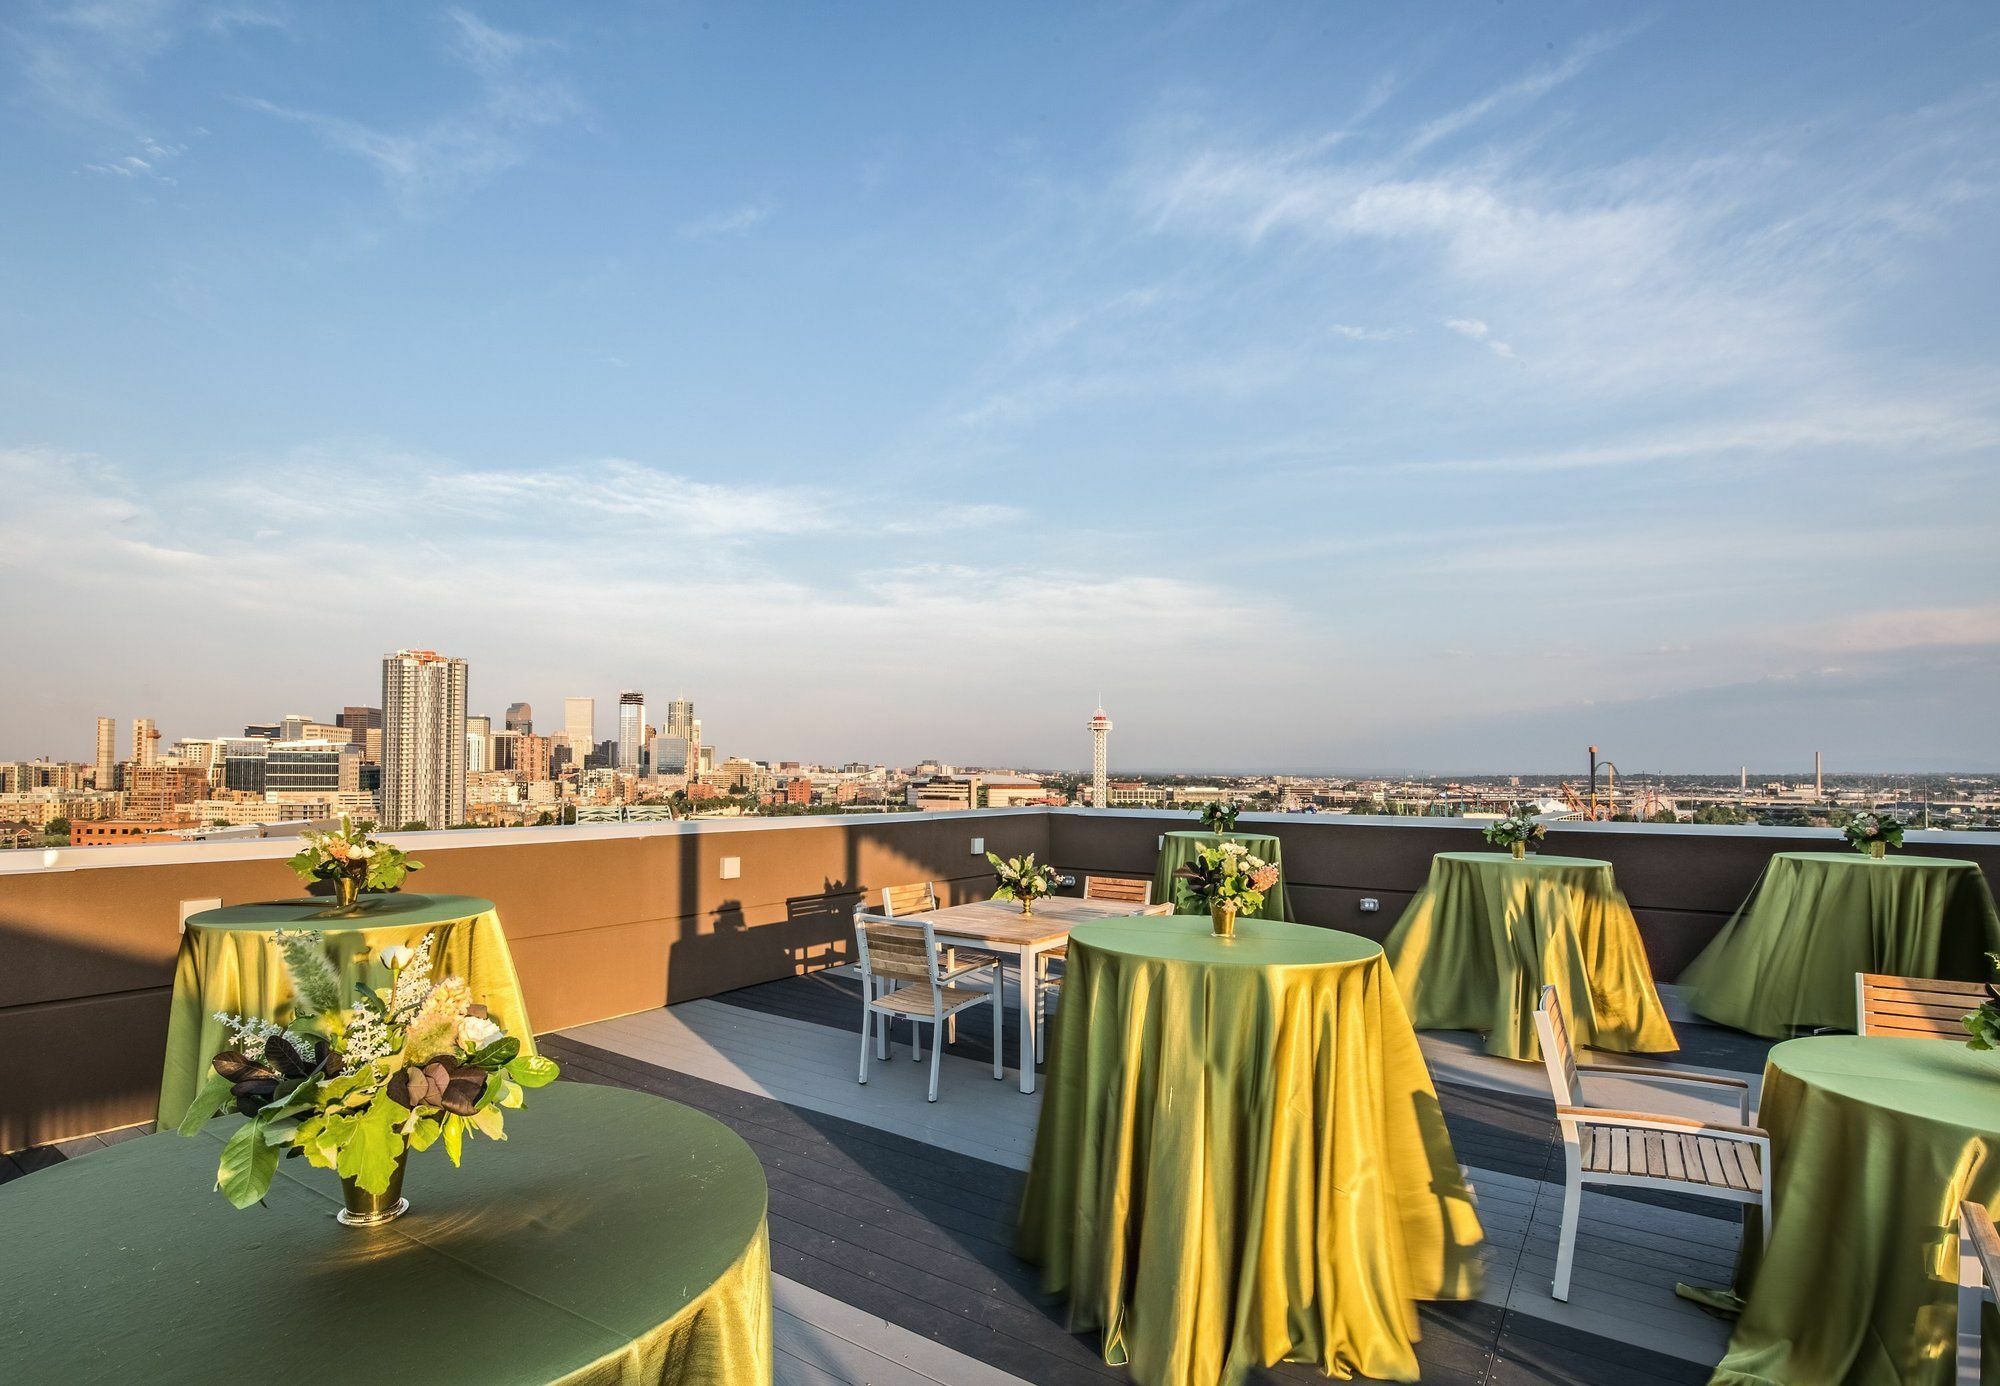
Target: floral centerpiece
pixel 1874 833
pixel 1229 879
pixel 353 861
pixel 1219 817
pixel 356 1089
pixel 1020 879
pixel 1516 831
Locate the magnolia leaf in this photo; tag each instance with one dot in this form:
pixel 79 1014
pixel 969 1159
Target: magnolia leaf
pixel 424 1135
pixel 497 1054
pixel 454 1136
pixel 489 1123
pixel 369 1157
pixel 533 1071
pixel 281 1132
pixel 212 1097
pixel 244 1174
pixel 511 1094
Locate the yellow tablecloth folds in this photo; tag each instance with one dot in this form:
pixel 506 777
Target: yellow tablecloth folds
pixel 229 962
pixel 1241 1158
pixel 1875 1142
pixel 1475 947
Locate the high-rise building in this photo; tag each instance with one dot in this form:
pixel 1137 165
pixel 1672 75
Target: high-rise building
pixel 107 752
pixel 314 768
pixel 145 742
pixel 1100 738
pixel 631 729
pixel 680 721
pixel 580 724
pixel 479 745
pixel 521 718
pixel 243 760
pixel 359 720
pixel 293 727
pixel 501 750
pixel 670 755
pixel 423 739
pixel 532 755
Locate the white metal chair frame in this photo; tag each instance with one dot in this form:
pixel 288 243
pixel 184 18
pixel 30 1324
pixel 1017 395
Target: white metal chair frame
pixel 928 991
pixel 1725 1171
pixel 1978 1281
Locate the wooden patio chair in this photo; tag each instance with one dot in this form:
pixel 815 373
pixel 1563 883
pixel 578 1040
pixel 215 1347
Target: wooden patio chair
pixel 1645 1149
pixel 1124 890
pixel 904 973
pixel 1978 1282
pixel 900 902
pixel 1914 1007
pixel 1135 891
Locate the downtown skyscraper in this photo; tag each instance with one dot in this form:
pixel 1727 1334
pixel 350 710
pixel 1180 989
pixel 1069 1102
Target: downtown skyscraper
pixel 423 739
pixel 580 727
pixel 631 729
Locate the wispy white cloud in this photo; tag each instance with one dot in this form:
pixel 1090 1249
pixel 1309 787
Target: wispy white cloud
pixel 147 163
pixel 1475 329
pixel 1535 85
pixel 734 222
pixel 458 152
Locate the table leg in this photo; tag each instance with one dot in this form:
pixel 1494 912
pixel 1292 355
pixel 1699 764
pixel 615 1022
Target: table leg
pixel 1029 961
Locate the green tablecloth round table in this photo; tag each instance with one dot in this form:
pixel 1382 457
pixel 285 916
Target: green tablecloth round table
pixel 229 962
pixel 1875 1142
pixel 1476 946
pixel 1241 1159
pixel 1787 959
pixel 1178 849
pixel 614 1239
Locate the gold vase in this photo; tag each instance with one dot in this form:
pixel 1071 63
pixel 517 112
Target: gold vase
pixel 1027 906
pixel 346 890
pixel 1878 850
pixel 1223 917
pixel 365 1209
pixel 1520 850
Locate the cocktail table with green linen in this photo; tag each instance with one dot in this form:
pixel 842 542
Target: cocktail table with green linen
pixel 1787 959
pixel 613 1239
pixel 229 962
pixel 1875 1142
pixel 1241 1159
pixel 1178 849
pixel 1486 933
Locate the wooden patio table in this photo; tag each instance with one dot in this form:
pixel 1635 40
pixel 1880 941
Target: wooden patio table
pixel 998 926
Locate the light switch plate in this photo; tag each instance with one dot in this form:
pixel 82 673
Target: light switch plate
pixel 978 846
pixel 732 868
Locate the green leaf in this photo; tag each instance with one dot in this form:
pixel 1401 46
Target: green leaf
pixel 425 1134
pixel 454 1137
pixel 497 1054
pixel 490 1123
pixel 533 1071
pixel 280 1133
pixel 211 1098
pixel 369 1157
pixel 244 1175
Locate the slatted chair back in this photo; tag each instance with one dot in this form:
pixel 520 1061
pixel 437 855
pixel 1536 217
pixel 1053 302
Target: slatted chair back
pixel 1978 1285
pixel 898 901
pixel 897 953
pixel 1558 1054
pixel 1122 890
pixel 1914 1007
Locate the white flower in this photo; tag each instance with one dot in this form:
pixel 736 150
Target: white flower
pixel 396 956
pixel 475 1032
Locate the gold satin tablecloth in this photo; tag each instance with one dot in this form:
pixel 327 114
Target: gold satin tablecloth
pixel 1241 1157
pixel 613 1239
pixel 1487 932
pixel 1875 1141
pixel 229 962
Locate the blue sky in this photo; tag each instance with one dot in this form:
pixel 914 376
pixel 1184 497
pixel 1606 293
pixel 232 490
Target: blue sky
pixel 1327 386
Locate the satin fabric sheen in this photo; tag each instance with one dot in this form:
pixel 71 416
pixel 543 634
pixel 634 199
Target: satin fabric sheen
pixel 1178 849
pixel 614 1239
pixel 229 962
pixel 1787 959
pixel 1475 947
pixel 1241 1158
pixel 1875 1141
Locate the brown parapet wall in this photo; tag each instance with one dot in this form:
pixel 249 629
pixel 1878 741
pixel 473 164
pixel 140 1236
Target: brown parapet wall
pixel 608 920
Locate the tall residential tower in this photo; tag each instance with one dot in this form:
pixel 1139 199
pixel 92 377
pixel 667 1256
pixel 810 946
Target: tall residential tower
pixel 631 729
pixel 580 726
pixel 423 739
pixel 107 752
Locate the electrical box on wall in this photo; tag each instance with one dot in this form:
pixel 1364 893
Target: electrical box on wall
pixel 732 867
pixel 978 846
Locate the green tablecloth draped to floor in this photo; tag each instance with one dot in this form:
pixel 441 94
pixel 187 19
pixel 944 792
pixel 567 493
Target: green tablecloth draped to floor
pixel 229 962
pixel 1178 849
pixel 1875 1142
pixel 1475 947
pixel 1241 1158
pixel 1787 959
pixel 614 1239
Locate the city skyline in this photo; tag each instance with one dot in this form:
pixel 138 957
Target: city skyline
pixel 1424 388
